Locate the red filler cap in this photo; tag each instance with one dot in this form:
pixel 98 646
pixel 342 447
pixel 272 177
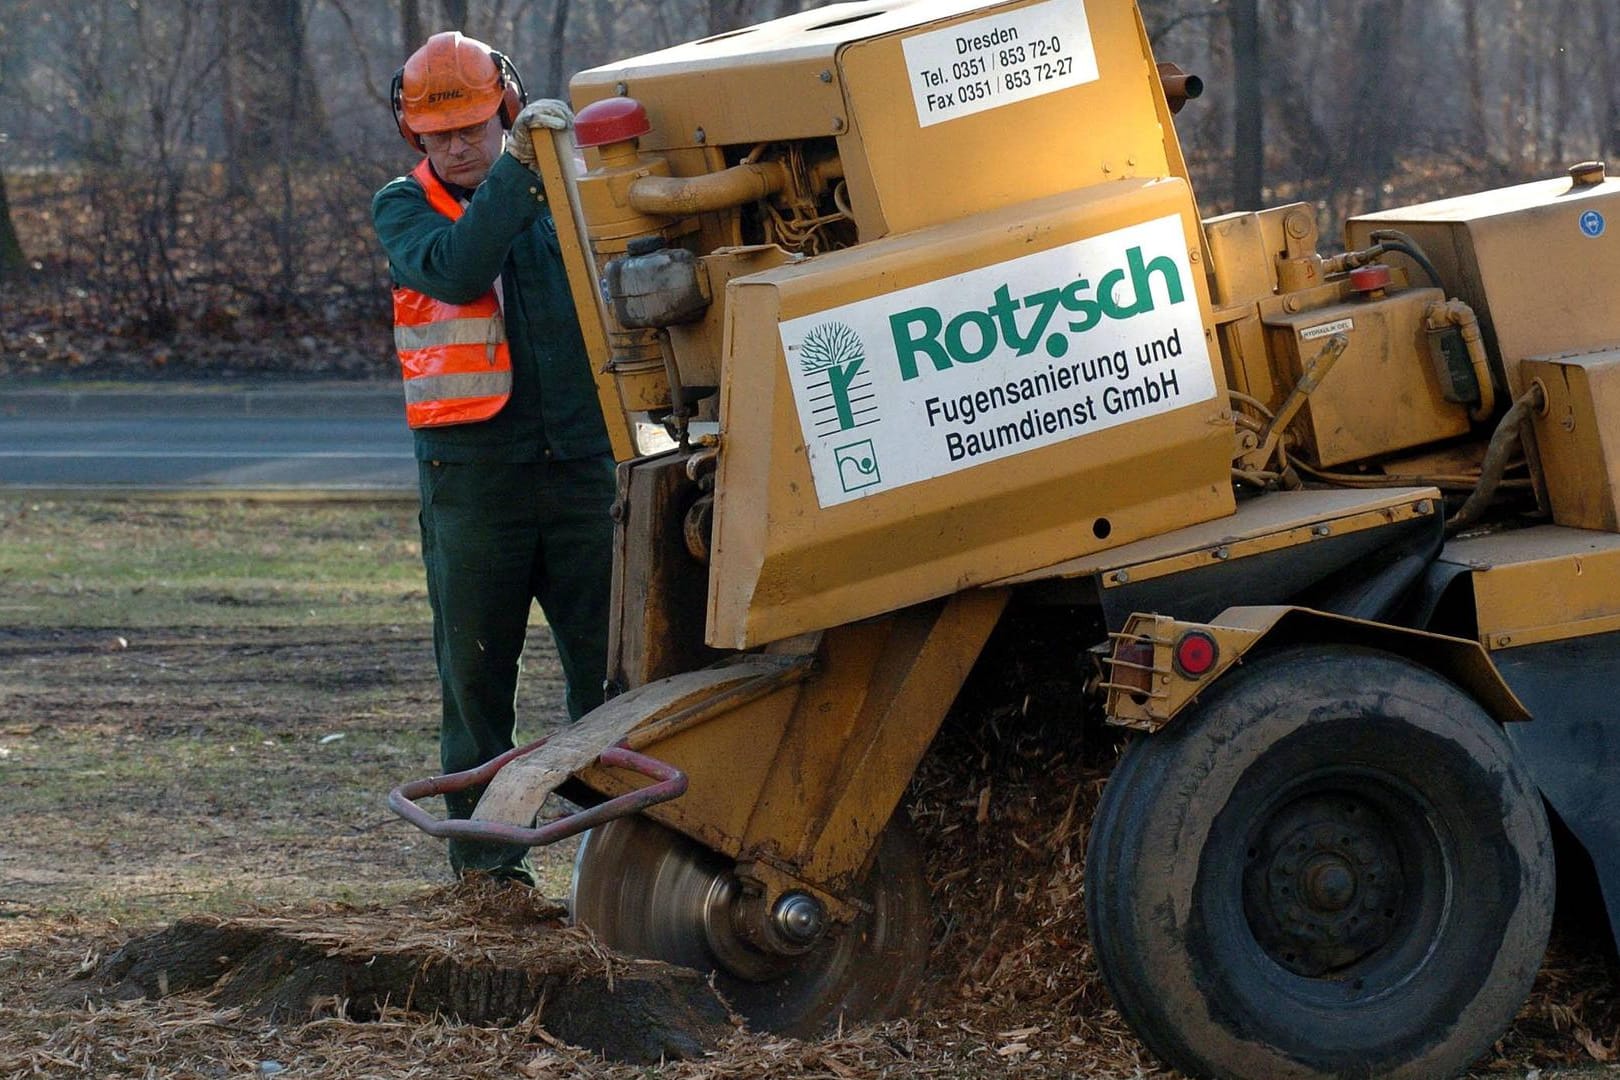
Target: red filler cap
pixel 611 120
pixel 1370 279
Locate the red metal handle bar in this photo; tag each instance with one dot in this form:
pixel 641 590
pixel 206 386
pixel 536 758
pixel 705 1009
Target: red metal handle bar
pixel 670 783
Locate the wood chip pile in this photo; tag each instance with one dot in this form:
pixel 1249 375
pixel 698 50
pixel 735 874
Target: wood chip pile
pixel 1003 808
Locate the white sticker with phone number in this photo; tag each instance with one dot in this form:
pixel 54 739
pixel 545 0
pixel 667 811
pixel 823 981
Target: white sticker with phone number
pixel 995 61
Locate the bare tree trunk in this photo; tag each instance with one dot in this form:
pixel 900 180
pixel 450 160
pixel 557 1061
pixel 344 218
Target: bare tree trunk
pixel 1248 106
pixel 278 102
pixel 726 15
pixel 1536 80
pixel 230 117
pixel 1379 91
pixel 410 28
pixel 557 38
pixel 289 234
pixel 11 252
pixel 1609 67
pixel 1524 68
pixel 98 76
pixel 1563 107
pixel 1479 135
pixel 455 14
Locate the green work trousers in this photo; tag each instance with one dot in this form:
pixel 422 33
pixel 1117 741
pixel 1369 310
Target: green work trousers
pixel 495 538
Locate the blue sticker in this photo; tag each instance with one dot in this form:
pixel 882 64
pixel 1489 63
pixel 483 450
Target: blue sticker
pixel 1592 224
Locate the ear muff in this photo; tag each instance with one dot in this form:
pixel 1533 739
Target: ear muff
pixel 513 94
pixel 396 100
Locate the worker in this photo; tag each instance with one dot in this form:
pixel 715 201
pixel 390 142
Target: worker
pixel 515 472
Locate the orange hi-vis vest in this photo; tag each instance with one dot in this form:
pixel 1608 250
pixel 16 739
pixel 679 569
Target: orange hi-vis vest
pixel 457 366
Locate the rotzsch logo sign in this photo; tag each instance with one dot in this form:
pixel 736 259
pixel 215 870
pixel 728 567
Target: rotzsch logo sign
pixel 1023 324
pixel 833 360
pixel 998 361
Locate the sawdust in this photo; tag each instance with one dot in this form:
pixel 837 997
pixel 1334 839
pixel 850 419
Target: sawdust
pixel 1003 809
pixel 1003 805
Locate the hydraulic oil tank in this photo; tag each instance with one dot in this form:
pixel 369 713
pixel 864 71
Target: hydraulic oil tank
pixel 1387 349
pixel 1538 262
pixel 1012 365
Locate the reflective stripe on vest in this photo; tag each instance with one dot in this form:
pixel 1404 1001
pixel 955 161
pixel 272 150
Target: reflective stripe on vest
pixel 454 357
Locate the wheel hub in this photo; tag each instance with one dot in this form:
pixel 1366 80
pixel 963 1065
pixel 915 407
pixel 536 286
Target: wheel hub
pixel 1323 885
pixel 1330 883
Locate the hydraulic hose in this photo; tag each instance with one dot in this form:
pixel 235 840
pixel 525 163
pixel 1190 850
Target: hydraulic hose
pixel 1395 240
pixel 1503 442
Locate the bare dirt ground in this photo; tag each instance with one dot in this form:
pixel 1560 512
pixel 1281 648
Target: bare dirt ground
pixel 189 730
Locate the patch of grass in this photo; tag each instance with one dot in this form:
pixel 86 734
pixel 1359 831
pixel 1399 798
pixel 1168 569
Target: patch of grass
pixel 214 563
pixel 203 706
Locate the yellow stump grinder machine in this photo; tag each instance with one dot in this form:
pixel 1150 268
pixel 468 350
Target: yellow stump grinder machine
pixel 921 295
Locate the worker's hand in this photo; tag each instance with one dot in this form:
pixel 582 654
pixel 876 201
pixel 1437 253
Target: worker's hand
pixel 547 113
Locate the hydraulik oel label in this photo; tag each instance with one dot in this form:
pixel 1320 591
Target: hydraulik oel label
pixel 998 361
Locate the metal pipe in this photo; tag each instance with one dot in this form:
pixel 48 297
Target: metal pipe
pixel 1462 316
pixel 1179 86
pixel 669 783
pixel 683 196
pixel 1350 260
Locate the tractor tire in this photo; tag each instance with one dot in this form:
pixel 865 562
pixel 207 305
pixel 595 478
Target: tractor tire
pixel 1332 866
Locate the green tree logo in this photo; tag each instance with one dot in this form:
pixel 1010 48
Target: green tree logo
pixel 833 358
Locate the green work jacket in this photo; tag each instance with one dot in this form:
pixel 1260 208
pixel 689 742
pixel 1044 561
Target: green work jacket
pixel 507 230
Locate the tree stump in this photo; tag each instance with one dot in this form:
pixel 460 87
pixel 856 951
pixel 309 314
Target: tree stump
pixel 475 969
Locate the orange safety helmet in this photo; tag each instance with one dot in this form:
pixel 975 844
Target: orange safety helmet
pixel 453 82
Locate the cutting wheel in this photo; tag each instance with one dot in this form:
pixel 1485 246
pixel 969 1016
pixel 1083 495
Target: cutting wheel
pixel 649 891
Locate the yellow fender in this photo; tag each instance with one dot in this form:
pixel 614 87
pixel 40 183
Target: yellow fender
pixel 1159 665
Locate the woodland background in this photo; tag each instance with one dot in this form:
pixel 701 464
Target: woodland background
pixel 185 184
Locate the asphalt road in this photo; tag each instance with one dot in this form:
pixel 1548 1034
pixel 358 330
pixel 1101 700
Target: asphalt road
pixel 334 439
